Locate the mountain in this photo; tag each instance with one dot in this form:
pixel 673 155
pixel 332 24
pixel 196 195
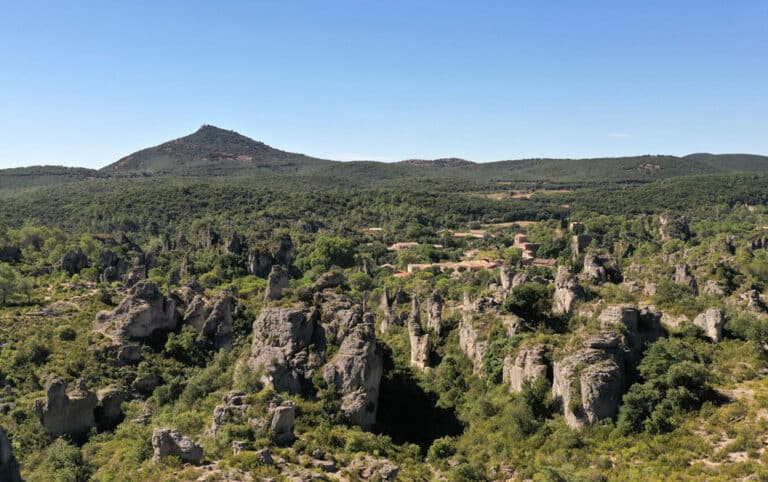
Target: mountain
pixel 213 151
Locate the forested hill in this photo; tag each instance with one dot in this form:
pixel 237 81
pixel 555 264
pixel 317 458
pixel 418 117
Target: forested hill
pixel 211 151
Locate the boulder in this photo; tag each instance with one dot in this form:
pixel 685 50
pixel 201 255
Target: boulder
pixel 282 422
pixel 673 226
pixel 169 442
pixel 684 276
pixel 280 347
pixel 420 342
pixel 356 371
pixel 144 311
pixel 754 301
pixel 74 261
pixel 712 322
pixel 368 467
pixel 328 280
pixel 9 467
pixel 276 283
pixel 435 305
pixel 65 413
pixel 529 365
pixel 567 292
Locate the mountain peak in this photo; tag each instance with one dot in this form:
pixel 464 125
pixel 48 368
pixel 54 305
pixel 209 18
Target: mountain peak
pixel 211 150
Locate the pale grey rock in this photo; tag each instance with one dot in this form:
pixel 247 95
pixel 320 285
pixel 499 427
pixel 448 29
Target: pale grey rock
pixel 712 322
pixel 65 413
pixel 435 305
pixel 529 365
pixel 144 311
pixel 419 340
pixel 684 276
pixel 673 226
pixel 169 442
pixel 567 292
pixel 276 282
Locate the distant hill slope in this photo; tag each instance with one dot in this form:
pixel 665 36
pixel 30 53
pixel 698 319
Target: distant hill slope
pixel 213 151
pixel 36 176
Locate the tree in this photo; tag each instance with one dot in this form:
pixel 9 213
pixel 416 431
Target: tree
pixel 530 301
pixel 8 282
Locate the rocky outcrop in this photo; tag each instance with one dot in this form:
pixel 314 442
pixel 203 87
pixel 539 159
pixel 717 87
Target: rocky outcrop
pixel 714 288
pixel 218 324
pixel 112 267
pixel 712 322
pixel 684 276
pixel 9 467
pixel 281 425
pixel 753 301
pixel 259 263
pixel 74 261
pixel 368 467
pixel 276 283
pixel 588 382
pixel 280 347
pixel 601 268
pixel 529 365
pixel 356 371
pixel 109 412
pixel 507 274
pixel 579 245
pixel 195 314
pixel 435 305
pixel 285 250
pixel 231 411
pixel 236 244
pixel 65 413
pixel 472 343
pixel 567 292
pixel 420 341
pixel 169 442
pixel 673 226
pixel 144 311
pixel 329 280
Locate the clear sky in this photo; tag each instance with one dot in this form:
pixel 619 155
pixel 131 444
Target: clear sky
pixel 85 83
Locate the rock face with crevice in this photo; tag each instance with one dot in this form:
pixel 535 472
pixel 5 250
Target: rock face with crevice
pixel 169 442
pixel 589 380
pixel 74 261
pixel 712 322
pixel 435 305
pixel 419 339
pixel 218 324
pixel 356 371
pixel 530 364
pixel 144 311
pixel 65 413
pixel 281 346
pixel 684 276
pixel 567 292
pixel 9 467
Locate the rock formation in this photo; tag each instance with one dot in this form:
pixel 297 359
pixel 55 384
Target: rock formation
pixel 232 411
pixel 356 371
pixel 683 276
pixel 281 425
pixel 9 467
pixel 280 347
pixel 331 279
pixel 259 263
pixel 170 442
pixel 567 292
pixel 420 342
pixel 74 261
pixel 276 283
pixel 753 301
pixel 144 311
pixel 109 412
pixel 529 365
pixel 65 413
pixel 435 305
pixel 673 227
pixel 579 244
pixel 218 324
pixel 601 268
pixel 712 322
pixel 507 274
pixel 714 288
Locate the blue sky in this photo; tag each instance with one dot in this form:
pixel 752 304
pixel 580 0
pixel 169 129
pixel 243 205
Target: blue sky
pixel 85 83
